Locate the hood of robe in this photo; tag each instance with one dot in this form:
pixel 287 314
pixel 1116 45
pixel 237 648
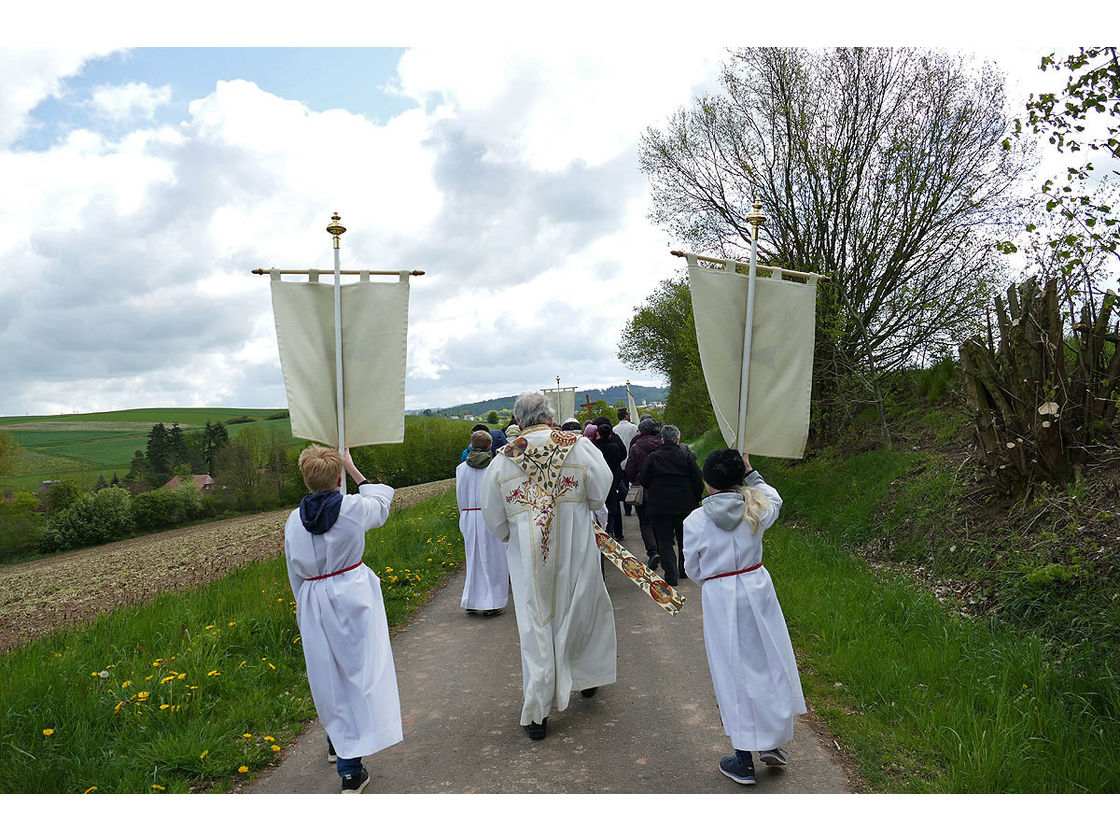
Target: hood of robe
pixel 319 511
pixel 479 458
pixel 725 509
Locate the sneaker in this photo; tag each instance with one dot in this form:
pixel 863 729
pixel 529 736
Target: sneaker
pixel 588 692
pixel 332 756
pixel 355 784
pixel 537 731
pixel 654 561
pixel 776 757
pixel 737 769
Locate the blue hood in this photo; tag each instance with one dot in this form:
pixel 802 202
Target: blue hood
pixel 319 511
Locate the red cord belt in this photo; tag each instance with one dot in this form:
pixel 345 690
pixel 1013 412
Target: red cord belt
pixel 470 508
pixel 340 571
pixel 731 574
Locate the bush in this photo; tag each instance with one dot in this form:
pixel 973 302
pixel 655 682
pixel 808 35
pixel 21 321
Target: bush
pixel 167 507
pixel 96 518
pixel 431 450
pixel 61 495
pixel 21 527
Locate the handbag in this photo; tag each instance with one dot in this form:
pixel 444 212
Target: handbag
pixel 635 495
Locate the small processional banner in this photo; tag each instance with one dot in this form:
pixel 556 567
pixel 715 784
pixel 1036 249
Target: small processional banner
pixel 374 348
pixel 780 355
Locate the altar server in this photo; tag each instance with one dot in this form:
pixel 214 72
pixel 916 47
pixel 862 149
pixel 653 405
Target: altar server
pixel 539 494
pixel 486 588
pixel 341 614
pixel 749 651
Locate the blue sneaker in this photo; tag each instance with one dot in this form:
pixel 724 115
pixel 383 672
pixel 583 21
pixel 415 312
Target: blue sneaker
pixel 738 769
pixel 776 757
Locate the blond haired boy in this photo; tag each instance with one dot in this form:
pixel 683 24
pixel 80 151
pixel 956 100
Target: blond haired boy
pixel 340 612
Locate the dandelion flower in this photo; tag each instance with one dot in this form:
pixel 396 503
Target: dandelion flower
pixel 209 626
pixel 158 787
pixel 213 673
pixel 90 789
pixel 247 735
pixel 167 679
pixel 276 748
pixel 157 663
pixel 270 665
pixel 242 769
pixel 232 623
pixel 269 738
pixel 117 707
pixel 126 683
pixel 104 675
pixel 204 753
pixel 48 732
pixel 163 706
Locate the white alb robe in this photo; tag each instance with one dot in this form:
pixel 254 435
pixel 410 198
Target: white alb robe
pixel 343 628
pixel 750 655
pixel 564 615
pixel 487 579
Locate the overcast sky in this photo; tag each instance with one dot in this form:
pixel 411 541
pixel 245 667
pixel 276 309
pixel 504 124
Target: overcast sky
pixel 140 185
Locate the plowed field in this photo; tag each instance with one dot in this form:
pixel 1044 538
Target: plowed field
pixel 39 597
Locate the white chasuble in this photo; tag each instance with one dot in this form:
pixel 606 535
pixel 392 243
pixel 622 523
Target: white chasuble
pixel 374 341
pixel 781 355
pixel 565 620
pixel 487 577
pixel 343 628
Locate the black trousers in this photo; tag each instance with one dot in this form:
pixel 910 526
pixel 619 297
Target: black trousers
pixel 645 525
pixel 614 513
pixel 665 528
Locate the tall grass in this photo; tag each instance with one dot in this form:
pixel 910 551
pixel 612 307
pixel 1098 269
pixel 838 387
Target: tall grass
pixel 926 701
pixel 182 693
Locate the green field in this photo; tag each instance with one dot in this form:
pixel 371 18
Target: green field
pixel 83 446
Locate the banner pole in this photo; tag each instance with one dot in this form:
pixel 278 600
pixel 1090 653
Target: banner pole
pixel 336 230
pixel 755 218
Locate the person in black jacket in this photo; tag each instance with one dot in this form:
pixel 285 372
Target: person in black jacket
pixel 673 486
pixel 647 442
pixel 614 453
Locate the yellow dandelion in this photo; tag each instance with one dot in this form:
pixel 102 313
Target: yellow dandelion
pixel 388 568
pixel 158 787
pixel 90 789
pixel 213 673
pixel 143 695
pixel 167 679
pixel 117 707
pixel 163 706
pixel 209 626
pixel 126 683
pixel 157 663
pixel 296 640
pixel 48 732
pixel 203 754
pixel 247 735
pixel 242 769
pixel 180 676
pixel 276 748
pixel 192 686
pixel 148 677
pixel 270 665
pixel 232 623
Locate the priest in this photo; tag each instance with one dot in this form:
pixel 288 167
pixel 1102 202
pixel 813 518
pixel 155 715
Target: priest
pixel 539 495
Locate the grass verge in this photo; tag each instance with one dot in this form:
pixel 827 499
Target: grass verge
pixel 192 691
pixel 924 699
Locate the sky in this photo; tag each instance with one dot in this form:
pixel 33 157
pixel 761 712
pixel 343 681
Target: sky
pixel 147 165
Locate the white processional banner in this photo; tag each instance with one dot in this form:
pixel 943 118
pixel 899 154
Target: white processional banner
pixel 374 346
pixel 781 355
pixel 563 402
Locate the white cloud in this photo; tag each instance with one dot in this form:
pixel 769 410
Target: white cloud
pixel 124 103
pixel 30 76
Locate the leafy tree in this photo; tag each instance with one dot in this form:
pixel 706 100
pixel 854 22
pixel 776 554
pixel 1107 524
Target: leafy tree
pixel 883 169
pixel 61 495
pixel 138 469
pixel 21 527
pixel 491 417
pixel 661 336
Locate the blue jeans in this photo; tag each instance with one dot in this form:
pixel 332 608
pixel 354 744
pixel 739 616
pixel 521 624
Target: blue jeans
pixel 348 766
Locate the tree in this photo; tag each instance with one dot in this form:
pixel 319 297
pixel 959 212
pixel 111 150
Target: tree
pixel 491 417
pixel 159 455
pixel 883 169
pixel 661 336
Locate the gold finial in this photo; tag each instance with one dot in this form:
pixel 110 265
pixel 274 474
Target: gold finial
pixel 756 217
pixel 335 229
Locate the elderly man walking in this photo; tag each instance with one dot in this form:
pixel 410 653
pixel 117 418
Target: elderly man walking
pixel 539 494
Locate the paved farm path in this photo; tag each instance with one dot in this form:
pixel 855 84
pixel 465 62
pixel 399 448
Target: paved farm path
pixel 656 730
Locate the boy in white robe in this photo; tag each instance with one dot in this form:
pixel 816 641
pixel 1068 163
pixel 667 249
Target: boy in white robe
pixel 341 614
pixel 750 655
pixel 486 588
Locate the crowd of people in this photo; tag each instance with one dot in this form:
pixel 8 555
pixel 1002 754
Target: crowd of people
pixel 529 497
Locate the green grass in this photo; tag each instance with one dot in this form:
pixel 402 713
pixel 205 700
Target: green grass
pixel 222 661
pixel 151 416
pixel 925 701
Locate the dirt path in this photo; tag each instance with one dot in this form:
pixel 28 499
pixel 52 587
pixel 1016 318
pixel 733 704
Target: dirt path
pixel 41 596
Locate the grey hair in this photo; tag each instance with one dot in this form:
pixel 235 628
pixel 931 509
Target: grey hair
pixel 532 408
pixel 649 426
pixel 670 434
